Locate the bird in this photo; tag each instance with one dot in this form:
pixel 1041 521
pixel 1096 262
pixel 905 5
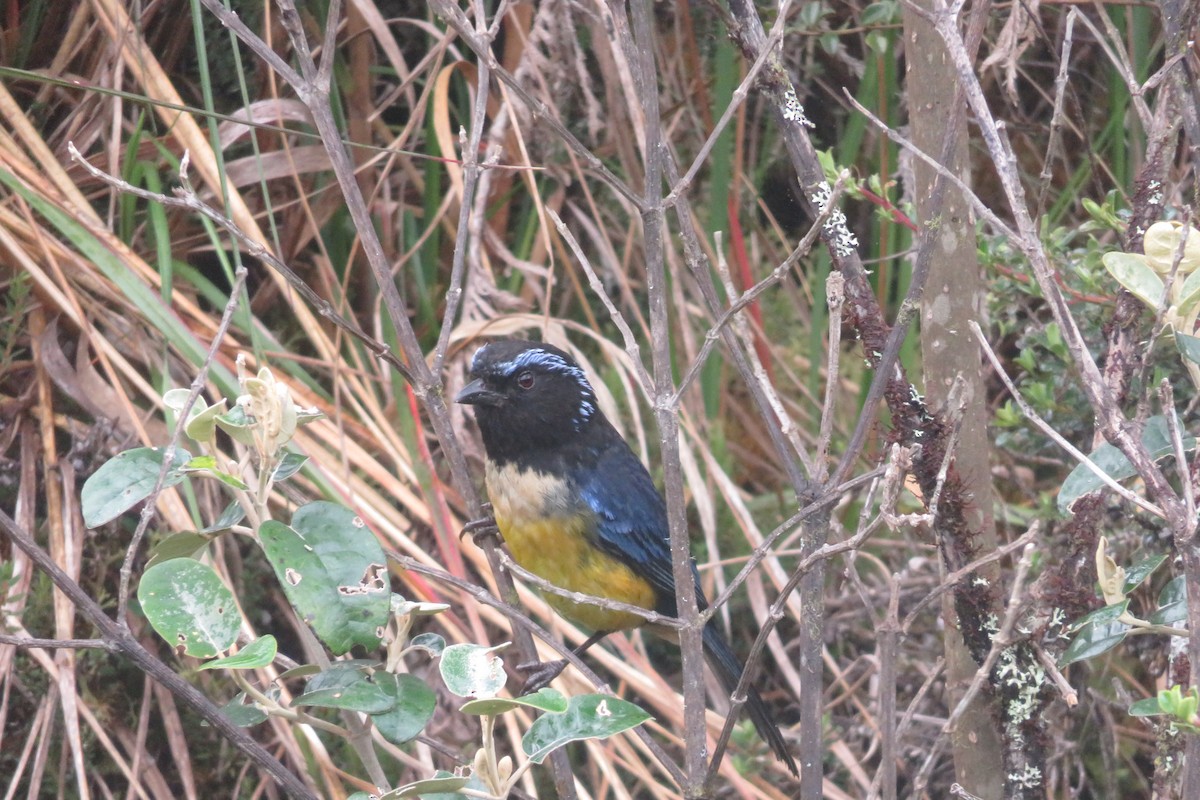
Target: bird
pixel 576 506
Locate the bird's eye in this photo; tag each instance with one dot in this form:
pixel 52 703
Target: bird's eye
pixel 525 380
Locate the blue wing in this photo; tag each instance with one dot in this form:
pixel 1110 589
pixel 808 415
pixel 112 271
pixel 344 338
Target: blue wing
pixel 631 519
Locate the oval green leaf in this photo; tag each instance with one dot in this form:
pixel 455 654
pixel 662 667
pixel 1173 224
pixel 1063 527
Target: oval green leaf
pixel 589 716
pixel 415 704
pixel 441 786
pixel 1156 438
pixel 207 465
pixel 470 670
pixel 202 426
pixel 1101 616
pixel 547 699
pixel 1132 272
pixel 1147 707
pixel 257 654
pixel 1172 603
pixel 189 607
pixel 232 515
pixel 333 571
pixel 1189 346
pixel 187 544
pixel 126 480
pixel 1189 294
pixel 1093 639
pixel 288 466
pixel 348 688
pixel 243 713
pixel 1142 570
pixel 432 643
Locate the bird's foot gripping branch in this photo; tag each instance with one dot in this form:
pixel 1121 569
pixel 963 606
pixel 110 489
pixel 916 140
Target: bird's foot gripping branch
pixel 333 572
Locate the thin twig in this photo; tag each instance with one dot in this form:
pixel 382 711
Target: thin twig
pixel 641 55
pixel 190 201
pixel 58 644
pixel 458 21
pixel 631 343
pixel 1057 437
pixel 835 299
pixel 681 185
pixel 471 170
pixel 741 300
pixel 199 380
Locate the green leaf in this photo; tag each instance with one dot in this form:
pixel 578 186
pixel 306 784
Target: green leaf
pixel 415 608
pixel 126 480
pixel 433 643
pixel 1102 615
pixel 414 706
pixel 1172 603
pixel 242 713
pixel 237 425
pixel 231 481
pixel 442 786
pixel 208 465
pixel 1189 346
pixel 345 687
pixel 333 571
pixel 307 415
pixel 1142 570
pixel 1189 294
pixel 589 716
pixel 289 465
pixel 1155 438
pixel 190 608
pixel 550 700
pixel 201 416
pixel 878 13
pixel 232 515
pixel 1147 707
pixel 470 670
pixel 810 14
pixel 301 671
pixel 200 464
pixel 187 544
pixel 1132 272
pixel 203 426
pixel 1179 705
pixel 258 653
pixel 1101 633
pixel 878 41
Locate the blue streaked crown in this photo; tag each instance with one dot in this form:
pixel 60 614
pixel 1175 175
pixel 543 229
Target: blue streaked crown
pixel 539 358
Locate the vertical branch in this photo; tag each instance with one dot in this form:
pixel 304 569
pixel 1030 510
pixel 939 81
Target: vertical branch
pixel 954 298
pixel 641 23
pixel 471 169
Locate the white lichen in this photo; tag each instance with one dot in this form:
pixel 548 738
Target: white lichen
pixel 793 111
pixel 841 239
pixel 1029 778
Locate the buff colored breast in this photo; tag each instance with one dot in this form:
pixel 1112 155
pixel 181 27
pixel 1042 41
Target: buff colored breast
pixel 547 535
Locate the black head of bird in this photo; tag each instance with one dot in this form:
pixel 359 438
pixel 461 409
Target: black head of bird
pixel 527 396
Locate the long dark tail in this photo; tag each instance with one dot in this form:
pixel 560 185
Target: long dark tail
pixel 729 670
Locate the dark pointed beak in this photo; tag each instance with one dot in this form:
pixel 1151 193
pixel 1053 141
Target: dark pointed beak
pixel 476 394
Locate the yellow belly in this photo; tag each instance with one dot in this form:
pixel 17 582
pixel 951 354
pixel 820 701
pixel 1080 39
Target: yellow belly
pixel 543 538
